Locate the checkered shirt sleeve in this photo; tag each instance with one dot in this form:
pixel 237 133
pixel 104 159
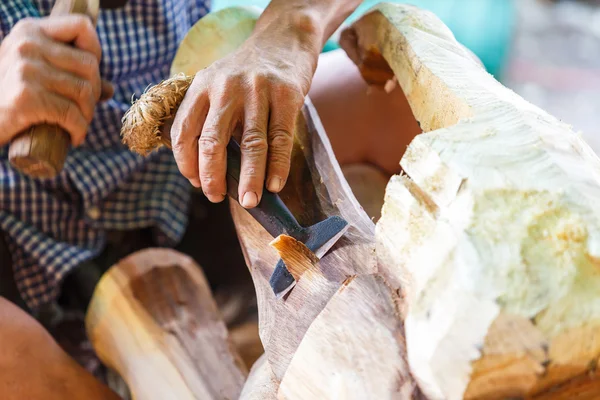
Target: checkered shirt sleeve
pixel 53 225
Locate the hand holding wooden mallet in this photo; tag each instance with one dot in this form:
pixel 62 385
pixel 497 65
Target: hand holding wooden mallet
pixel 40 151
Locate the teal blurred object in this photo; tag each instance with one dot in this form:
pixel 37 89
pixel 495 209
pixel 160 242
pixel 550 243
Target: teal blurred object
pixel 483 26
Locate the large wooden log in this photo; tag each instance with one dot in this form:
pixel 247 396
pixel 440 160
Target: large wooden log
pixel 494 234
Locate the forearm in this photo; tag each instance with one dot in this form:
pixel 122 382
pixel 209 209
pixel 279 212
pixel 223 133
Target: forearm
pixel 33 366
pixel 310 21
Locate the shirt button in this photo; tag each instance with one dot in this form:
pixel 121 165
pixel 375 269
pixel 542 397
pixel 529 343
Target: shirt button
pixel 94 213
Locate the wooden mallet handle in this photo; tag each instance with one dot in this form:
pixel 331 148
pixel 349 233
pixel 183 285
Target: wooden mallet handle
pixel 41 150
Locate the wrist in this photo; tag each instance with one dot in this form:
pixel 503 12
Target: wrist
pixel 298 28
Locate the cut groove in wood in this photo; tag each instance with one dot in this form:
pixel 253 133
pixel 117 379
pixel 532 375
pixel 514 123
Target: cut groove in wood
pixel 297 257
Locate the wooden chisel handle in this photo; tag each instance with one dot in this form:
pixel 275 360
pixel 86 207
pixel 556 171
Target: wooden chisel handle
pixel 40 151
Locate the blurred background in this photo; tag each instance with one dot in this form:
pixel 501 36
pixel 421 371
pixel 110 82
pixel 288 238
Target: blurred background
pixel 548 51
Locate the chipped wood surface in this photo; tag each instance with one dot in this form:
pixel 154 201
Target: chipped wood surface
pixel 298 328
pixel 493 233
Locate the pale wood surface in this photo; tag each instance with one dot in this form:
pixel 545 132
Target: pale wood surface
pixel 494 233
pixel 154 321
pixel 261 383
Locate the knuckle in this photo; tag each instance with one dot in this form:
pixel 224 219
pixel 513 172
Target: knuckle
pixel 66 112
pixel 26 47
pixel 180 143
pixel 176 135
pixel 281 142
pixel 254 141
pixel 25 70
pixel 179 148
pixel 84 89
pixel 177 144
pixel 210 145
pixel 280 136
pixel 25 24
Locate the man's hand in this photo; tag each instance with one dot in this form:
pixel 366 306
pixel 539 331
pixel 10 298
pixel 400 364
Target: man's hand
pixel 45 79
pixel 261 87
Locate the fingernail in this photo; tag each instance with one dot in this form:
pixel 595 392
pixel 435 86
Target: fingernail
pixel 195 182
pixel 216 199
pixel 274 184
pixel 250 199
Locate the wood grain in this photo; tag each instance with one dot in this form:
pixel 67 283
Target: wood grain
pixel 154 321
pixel 299 328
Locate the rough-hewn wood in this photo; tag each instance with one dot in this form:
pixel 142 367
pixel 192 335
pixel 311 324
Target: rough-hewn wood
pixel 494 234
pixel 261 383
pixel 154 321
pixel 325 304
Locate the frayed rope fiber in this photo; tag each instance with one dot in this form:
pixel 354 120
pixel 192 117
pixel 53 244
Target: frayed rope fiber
pixel 144 121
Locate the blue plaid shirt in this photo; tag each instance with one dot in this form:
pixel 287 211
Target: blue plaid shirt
pixel 53 225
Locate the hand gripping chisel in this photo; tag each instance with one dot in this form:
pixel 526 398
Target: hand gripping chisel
pixel 277 219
